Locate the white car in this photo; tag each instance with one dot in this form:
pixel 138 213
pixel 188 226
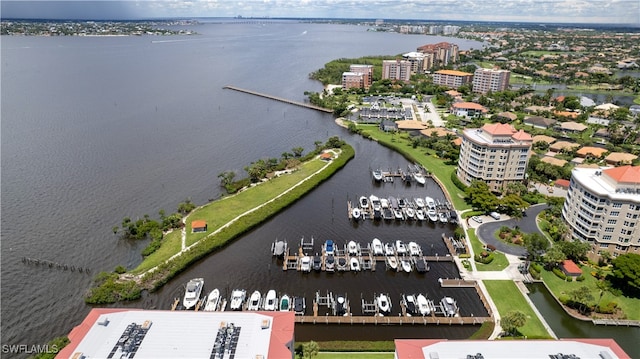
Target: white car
pixel 477 219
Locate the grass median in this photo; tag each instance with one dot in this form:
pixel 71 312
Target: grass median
pixel 499 261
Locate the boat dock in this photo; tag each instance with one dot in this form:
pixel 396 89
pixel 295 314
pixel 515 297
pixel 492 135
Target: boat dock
pixel 391 320
pixel 291 102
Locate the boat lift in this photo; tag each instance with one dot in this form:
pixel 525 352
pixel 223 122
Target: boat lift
pixel 369 307
pixel 306 245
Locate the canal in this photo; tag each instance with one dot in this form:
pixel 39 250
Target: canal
pixel 566 326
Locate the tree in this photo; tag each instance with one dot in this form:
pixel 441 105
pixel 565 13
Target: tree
pixel 574 250
pixel 513 320
pixel 535 243
pixel 581 297
pixel 310 349
pixel 553 256
pixel 626 274
pixel 481 197
pixel 513 205
pixel 115 229
pixel 226 178
pixel 297 151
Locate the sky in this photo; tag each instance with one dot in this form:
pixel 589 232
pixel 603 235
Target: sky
pixel 547 11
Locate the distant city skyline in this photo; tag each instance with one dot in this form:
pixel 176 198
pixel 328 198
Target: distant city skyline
pixel 542 11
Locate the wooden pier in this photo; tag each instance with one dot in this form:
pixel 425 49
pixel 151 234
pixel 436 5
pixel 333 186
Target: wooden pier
pixel 391 320
pixel 291 102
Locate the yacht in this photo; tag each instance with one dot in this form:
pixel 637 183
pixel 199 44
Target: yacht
pixel 384 203
pixel 449 306
pixel 271 300
pixel 305 264
pixel 410 304
pixel 414 249
pixel 430 203
pixel 433 216
pixel 340 308
pixel 397 212
pixel 192 293
pixel 377 175
pixel 213 300
pixel 420 214
pixel 342 264
pixel 237 299
pixel 409 212
pixel 375 203
pixel 423 305
pixel 400 248
pixel 352 248
pixel 364 202
pixel 389 250
pixel 419 177
pixel 406 265
pixel 442 217
pixel 419 202
pixel 354 264
pixel 402 202
pixel 328 247
pixel 317 263
pixel 376 245
pixel 384 304
pixel 330 263
pixel 421 265
pixel 356 213
pixel 392 262
pixel 254 301
pixel 299 305
pixel 285 303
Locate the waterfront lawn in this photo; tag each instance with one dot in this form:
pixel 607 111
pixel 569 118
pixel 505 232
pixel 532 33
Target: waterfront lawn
pixel 499 261
pixel 507 297
pixel 559 287
pixel 171 244
pixel 400 143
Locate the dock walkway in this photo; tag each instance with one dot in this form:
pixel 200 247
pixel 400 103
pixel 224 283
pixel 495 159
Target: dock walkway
pixel 391 320
pixel 301 104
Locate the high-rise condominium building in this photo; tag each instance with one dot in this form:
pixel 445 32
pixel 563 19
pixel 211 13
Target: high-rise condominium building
pixel 396 70
pixel 451 78
pixel 496 154
pixel 440 54
pixel 602 208
pixel 366 71
pixel 485 80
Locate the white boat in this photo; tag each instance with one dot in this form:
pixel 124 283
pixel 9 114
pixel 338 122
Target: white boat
pixel 376 246
pixel 419 202
pixel 389 250
pixel 397 212
pixel 192 293
pixel 409 212
pixel 377 175
pixel 299 305
pixel 375 203
pixel 237 299
pixel 271 300
pixel 254 301
pixel 330 263
pixel 414 249
pixel 393 202
pixel 423 305
pixel 340 306
pixel 420 214
pixel 406 265
pixel 305 264
pixel 364 202
pixel 442 217
pixel 354 264
pixel 392 262
pixel 285 303
pixel 419 177
pixel 384 304
pixel 433 216
pixel 278 248
pixel 384 203
pixel 402 202
pixel 410 304
pixel 328 247
pixel 400 248
pixel 356 213
pixel 213 300
pixel 449 306
pixel 352 248
pixel 430 203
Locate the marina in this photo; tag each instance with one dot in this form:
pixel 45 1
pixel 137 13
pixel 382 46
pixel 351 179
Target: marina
pixel 401 209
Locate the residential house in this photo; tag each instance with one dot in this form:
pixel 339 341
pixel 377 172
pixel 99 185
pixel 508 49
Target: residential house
pixel 620 158
pixel 505 117
pixel 388 126
pixel 563 146
pixel 571 126
pixel 553 161
pixel 468 109
pixel 590 151
pixel 539 122
pixel 544 138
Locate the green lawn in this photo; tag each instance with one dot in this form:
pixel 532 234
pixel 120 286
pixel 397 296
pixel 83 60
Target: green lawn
pixel 171 244
pixel 630 306
pixel 507 297
pixel 499 261
pixel 399 142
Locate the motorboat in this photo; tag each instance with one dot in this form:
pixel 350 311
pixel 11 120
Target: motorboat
pixel 384 304
pixel 192 293
pixel 299 305
pixel 377 248
pixel 393 202
pixel 384 203
pixel 237 299
pixel 414 249
pixel 254 301
pixel 213 300
pixel 387 213
pixel 419 177
pixel 449 306
pixel 271 300
pixel 453 217
pixel 278 248
pixel 423 305
pixel 340 308
pixel 356 213
pixel 342 264
pixel 430 203
pixel 389 250
pixel 285 303
pixel 443 217
pixel 354 264
pixel 400 248
pixel 397 212
pixel 419 202
pixel 375 203
pixel 405 264
pixel 352 248
pixel 409 212
pixel 421 265
pixel 328 247
pixel 420 214
pixel 364 202
pixel 410 304
pixel 433 216
pixel 330 263
pixel 402 202
pixel 377 175
pixel 392 262
pixel 317 263
pixel 305 264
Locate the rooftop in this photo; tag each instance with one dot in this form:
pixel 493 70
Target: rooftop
pixel 594 151
pixel 624 174
pixel 610 182
pixel 453 73
pixel 469 105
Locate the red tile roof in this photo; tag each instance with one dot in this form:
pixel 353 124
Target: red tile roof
pixel 499 129
pixel 624 174
pixel 199 223
pixel 470 105
pixel 562 183
pixel 522 136
pixel 570 267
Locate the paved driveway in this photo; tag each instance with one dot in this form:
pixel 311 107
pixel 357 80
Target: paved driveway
pixel 527 224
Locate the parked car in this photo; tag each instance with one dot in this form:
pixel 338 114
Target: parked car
pixel 495 215
pixel 477 219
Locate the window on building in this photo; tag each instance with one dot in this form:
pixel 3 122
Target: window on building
pixel 611 221
pixel 615 213
pixel 606 237
pixel 604 245
pixel 617 205
pixel 609 229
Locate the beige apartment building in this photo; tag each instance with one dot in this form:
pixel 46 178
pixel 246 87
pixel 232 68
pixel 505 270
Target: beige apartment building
pixel 485 80
pixel 452 78
pixel 602 208
pixel 366 71
pixel 399 70
pixel 496 154
pixel 440 54
pixel 352 80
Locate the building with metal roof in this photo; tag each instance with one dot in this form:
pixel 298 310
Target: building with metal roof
pixel 157 334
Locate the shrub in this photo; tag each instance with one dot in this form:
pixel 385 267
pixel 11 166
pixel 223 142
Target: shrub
pixel 607 308
pixel 120 269
pixel 580 278
pixel 537 267
pixel 484 259
pixel 465 255
pixel 559 273
pixel 491 247
pixel 456 181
